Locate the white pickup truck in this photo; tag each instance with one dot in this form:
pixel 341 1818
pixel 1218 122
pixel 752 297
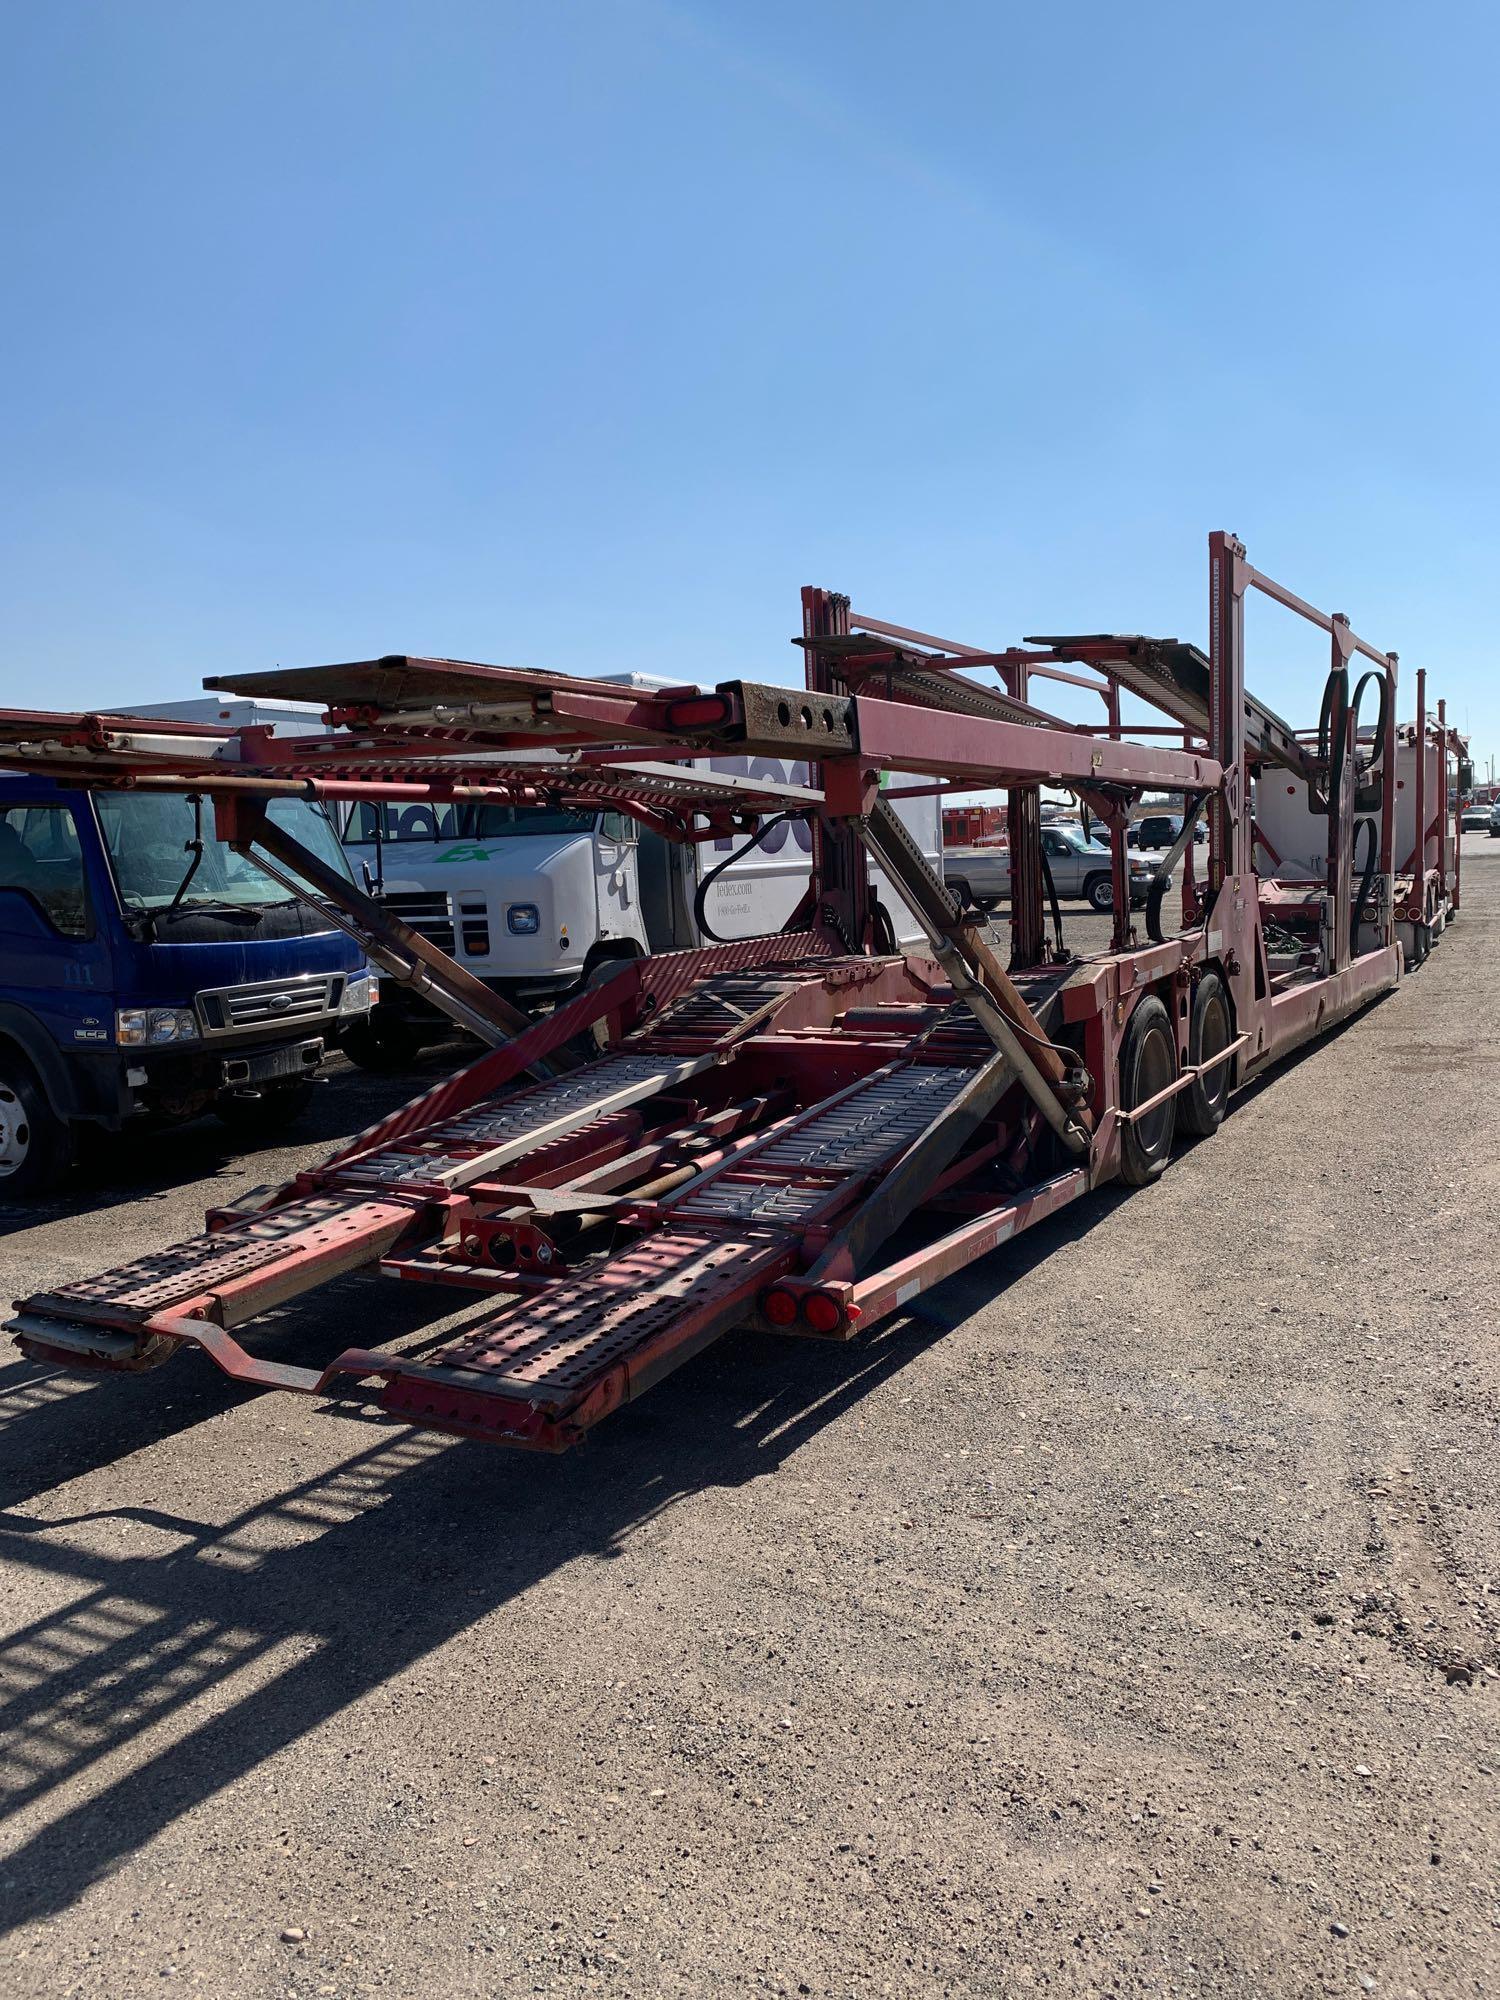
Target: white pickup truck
pixel 1080 868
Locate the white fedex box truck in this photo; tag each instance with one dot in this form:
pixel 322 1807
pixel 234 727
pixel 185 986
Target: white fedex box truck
pixel 537 900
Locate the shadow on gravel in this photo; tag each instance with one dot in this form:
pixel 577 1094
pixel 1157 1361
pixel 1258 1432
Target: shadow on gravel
pixel 361 1571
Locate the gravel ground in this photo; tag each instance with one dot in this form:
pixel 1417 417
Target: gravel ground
pixel 1126 1624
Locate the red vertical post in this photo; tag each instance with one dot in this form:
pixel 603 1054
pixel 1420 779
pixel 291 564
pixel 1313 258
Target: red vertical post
pixel 1339 880
pixel 1024 829
pixel 1229 810
pixel 1119 868
pixel 1189 886
pixel 1442 811
pixel 1387 861
pixel 1416 902
pixel 840 864
pixel 1233 921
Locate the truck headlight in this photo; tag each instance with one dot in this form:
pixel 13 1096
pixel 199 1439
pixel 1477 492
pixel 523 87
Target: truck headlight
pixel 523 918
pixel 138 1027
pixel 358 994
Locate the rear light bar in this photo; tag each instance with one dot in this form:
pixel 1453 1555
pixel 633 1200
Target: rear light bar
pixel 820 1309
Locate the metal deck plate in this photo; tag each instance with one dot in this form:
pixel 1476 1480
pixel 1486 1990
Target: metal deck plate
pixel 463 1149
pixel 153 1283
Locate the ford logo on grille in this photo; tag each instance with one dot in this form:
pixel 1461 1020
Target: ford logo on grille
pixel 278 1003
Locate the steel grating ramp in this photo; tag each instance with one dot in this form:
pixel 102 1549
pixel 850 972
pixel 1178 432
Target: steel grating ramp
pixel 457 1151
pixel 317 1237
pixel 620 1320
pixel 720 1011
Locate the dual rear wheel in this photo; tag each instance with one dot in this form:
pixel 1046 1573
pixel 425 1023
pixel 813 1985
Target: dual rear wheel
pixel 1148 1066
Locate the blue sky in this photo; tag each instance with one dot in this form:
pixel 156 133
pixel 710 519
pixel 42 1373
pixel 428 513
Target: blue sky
pixel 581 335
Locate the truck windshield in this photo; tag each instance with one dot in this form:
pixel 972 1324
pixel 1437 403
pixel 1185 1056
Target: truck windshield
pixel 475 820
pixel 147 834
pixel 484 821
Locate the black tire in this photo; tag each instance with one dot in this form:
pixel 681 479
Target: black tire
pixel 277 1107
pixel 594 1039
pixel 988 904
pixel 381 1044
pixel 1148 1063
pixel 36 1146
pixel 1099 894
pixel 958 885
pixel 1210 1029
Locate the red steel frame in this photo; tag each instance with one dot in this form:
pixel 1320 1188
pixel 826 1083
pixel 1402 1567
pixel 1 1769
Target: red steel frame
pixel 779 1132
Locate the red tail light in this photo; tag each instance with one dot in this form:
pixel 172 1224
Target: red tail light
pixel 822 1313
pixel 779 1306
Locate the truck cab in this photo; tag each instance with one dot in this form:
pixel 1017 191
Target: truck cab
pixel 148 973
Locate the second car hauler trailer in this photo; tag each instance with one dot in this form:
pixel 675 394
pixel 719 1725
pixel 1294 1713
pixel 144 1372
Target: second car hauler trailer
pixel 538 899
pixel 801 1131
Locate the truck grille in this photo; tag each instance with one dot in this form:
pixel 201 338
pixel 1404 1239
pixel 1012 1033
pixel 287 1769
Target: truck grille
pixel 271 1003
pixel 429 913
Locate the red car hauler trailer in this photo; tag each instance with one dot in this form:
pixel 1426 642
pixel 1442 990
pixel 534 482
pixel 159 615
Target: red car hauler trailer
pixel 802 1131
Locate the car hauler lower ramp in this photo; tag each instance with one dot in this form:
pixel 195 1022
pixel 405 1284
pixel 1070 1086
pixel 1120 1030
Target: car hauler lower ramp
pixel 712 1155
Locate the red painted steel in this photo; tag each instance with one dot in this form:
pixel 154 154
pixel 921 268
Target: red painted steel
pixel 732 1143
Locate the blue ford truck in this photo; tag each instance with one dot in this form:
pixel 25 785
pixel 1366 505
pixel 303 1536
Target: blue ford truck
pixel 148 973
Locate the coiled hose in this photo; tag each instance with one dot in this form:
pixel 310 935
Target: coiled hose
pixel 700 899
pixel 1367 798
pixel 1372 850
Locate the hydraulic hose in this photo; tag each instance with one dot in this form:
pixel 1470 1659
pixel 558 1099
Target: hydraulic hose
pixel 1052 898
pixel 1368 799
pixel 1372 850
pixel 700 899
pixel 1333 721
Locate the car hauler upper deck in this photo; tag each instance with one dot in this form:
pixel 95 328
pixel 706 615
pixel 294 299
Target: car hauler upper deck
pixel 801 1131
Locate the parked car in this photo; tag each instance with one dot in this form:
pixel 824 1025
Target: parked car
pixel 1079 866
pixel 1494 820
pixel 1475 818
pixel 1160 830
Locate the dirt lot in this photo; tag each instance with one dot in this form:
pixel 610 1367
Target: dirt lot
pixel 1130 1623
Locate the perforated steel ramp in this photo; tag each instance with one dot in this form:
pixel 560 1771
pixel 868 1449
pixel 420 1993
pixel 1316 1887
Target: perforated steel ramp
pixel 463 1149
pixel 597 1336
pixel 317 1238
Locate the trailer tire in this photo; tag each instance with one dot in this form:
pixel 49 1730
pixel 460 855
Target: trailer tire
pixel 1148 1063
pixel 1210 1030
pixel 1099 894
pixel 36 1146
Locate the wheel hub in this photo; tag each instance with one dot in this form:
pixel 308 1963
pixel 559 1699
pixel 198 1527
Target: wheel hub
pixel 15 1133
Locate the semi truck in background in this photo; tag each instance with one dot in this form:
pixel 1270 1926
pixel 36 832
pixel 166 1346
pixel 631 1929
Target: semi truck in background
pixel 537 901
pixel 148 973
